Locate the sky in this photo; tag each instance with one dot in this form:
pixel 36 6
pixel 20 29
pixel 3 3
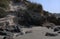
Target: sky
pixel 52 6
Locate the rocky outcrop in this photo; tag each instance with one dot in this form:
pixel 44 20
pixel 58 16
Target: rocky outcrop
pixel 48 25
pixel 8 23
pixel 27 12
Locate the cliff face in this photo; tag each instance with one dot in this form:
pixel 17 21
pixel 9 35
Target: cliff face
pixel 27 13
pixel 32 15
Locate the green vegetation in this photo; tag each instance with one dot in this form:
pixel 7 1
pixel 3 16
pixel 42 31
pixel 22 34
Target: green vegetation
pixel 2 13
pixel 17 1
pixel 4 4
pixel 35 7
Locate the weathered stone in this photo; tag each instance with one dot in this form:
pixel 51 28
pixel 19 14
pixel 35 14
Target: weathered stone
pixel 8 37
pixel 49 25
pixel 28 31
pixel 51 34
pixel 57 28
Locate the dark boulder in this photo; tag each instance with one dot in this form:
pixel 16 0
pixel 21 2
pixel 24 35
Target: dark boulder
pixel 57 28
pixel 51 34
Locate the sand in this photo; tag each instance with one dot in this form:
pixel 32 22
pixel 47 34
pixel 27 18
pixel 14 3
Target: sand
pixel 37 33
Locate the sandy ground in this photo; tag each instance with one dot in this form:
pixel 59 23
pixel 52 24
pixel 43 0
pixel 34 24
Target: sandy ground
pixel 37 33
